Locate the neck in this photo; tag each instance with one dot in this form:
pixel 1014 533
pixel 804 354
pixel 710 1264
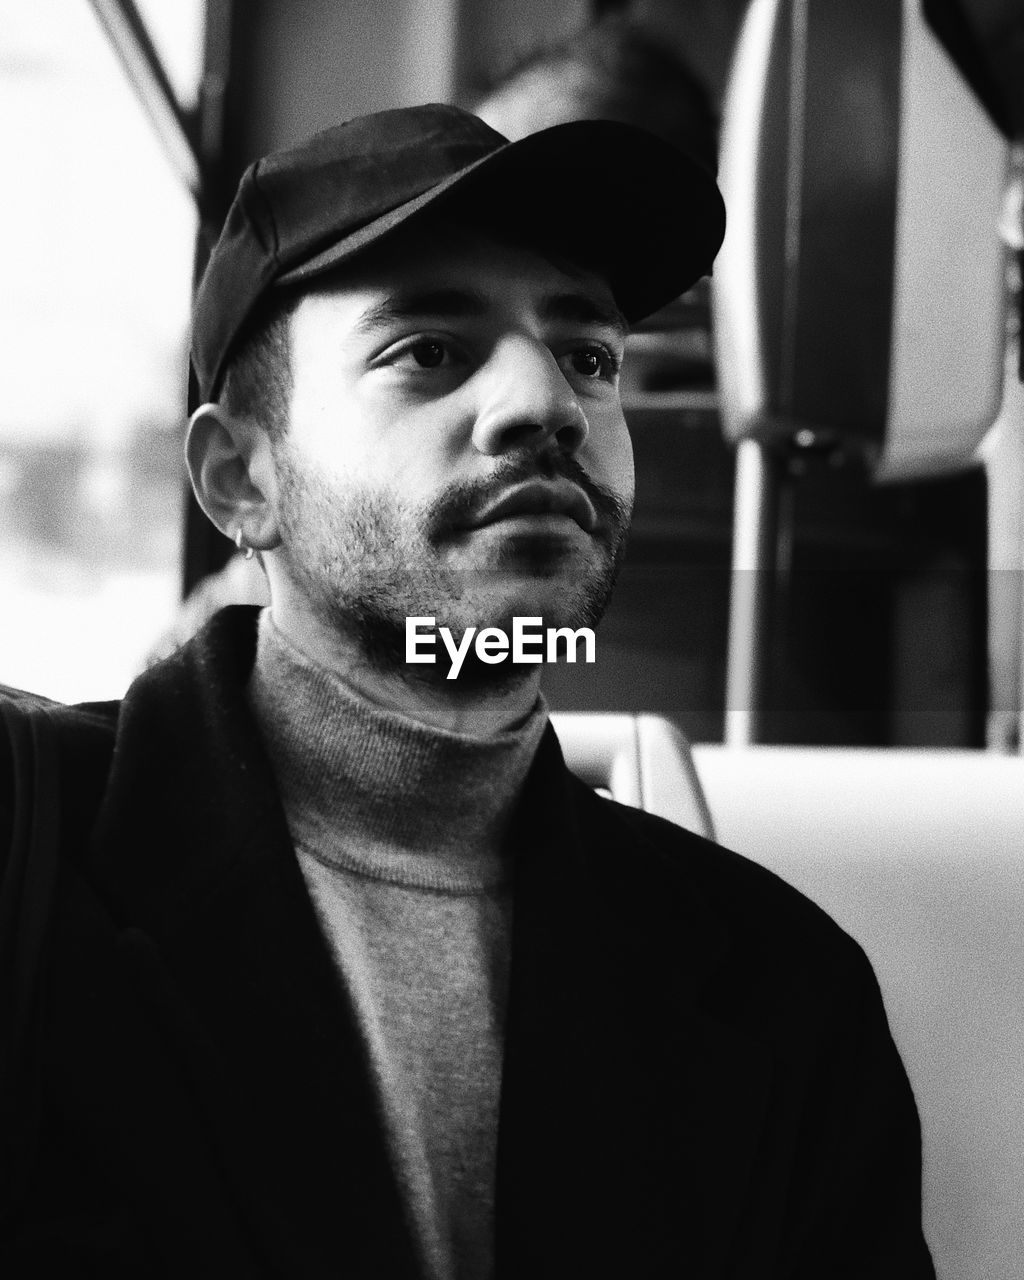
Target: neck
pixel 372 790
pixel 441 704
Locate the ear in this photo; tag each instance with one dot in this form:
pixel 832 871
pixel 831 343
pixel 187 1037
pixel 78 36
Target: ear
pixel 233 476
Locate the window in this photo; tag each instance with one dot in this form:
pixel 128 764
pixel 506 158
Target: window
pixel 99 235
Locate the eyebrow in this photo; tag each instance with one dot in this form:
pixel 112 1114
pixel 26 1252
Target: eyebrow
pixel 585 309
pixel 573 306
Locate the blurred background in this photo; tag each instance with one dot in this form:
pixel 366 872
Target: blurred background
pixel 99 237
pixel 828 536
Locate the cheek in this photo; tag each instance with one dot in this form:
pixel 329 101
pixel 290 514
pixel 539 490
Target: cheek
pixel 608 453
pixel 332 428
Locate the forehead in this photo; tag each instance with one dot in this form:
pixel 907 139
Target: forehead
pixel 450 268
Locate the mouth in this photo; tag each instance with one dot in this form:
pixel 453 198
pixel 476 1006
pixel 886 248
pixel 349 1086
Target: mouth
pixel 540 502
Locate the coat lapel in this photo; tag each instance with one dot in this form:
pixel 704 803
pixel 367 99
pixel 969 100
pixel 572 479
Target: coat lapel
pixel 631 1105
pixel 194 853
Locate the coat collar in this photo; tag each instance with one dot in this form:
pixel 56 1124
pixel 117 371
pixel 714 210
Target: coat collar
pixel 613 1061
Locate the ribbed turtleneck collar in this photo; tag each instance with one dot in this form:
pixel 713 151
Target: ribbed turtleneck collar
pixel 370 790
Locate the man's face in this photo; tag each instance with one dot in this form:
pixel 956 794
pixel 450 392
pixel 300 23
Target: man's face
pixel 456 446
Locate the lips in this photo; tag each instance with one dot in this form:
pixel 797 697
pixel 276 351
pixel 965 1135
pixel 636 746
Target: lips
pixel 540 498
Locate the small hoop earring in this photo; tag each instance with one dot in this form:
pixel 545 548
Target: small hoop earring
pixel 238 543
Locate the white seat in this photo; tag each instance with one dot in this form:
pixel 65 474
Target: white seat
pixel 920 856
pixel 640 760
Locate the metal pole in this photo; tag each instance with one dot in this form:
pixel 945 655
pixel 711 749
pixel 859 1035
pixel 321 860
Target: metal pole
pixel 130 40
pixel 1002 452
pixel 755 547
pixel 205 549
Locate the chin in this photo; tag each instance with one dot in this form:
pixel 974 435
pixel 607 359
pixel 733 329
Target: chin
pixel 562 592
pixel 560 606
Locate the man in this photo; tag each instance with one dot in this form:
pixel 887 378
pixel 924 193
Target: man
pixel 352 977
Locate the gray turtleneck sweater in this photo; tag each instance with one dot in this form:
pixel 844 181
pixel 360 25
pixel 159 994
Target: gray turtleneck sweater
pixel 398 828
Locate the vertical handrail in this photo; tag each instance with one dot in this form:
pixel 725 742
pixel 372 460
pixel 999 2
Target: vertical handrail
pixel 754 552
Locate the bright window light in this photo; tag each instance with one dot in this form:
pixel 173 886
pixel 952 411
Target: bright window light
pixel 99 237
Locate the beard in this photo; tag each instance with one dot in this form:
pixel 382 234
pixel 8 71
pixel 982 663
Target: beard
pixel 365 562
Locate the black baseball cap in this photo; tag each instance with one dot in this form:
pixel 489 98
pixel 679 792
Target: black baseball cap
pixel 631 206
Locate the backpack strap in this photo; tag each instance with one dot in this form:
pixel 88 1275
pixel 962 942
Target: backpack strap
pixel 40 808
pixel 26 890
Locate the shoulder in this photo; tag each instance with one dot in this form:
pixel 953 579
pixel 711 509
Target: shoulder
pixel 685 872
pixel 74 729
pixel 48 751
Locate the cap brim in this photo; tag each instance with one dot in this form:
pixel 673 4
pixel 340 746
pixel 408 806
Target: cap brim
pixel 617 198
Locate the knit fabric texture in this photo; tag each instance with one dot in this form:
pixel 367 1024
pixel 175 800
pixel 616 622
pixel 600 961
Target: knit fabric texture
pixel 399 831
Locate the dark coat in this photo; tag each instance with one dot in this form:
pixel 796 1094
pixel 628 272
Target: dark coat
pixel 699 1080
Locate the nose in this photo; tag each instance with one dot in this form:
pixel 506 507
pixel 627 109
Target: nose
pixel 526 400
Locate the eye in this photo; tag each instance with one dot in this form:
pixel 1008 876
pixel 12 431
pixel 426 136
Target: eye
pixel 426 363
pixel 428 354
pixel 592 362
pixel 423 354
